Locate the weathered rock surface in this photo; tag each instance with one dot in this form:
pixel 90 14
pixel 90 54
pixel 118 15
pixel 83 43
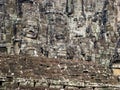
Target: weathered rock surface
pixel 86 32
pixel 72 29
pixel 26 72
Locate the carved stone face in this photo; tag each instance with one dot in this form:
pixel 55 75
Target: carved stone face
pixel 31 30
pixel 81 21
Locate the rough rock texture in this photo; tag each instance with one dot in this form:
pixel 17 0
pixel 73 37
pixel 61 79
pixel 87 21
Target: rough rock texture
pixel 71 29
pixel 26 72
pixel 86 32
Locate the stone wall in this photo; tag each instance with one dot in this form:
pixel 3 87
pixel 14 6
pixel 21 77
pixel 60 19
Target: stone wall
pixel 53 27
pixel 21 72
